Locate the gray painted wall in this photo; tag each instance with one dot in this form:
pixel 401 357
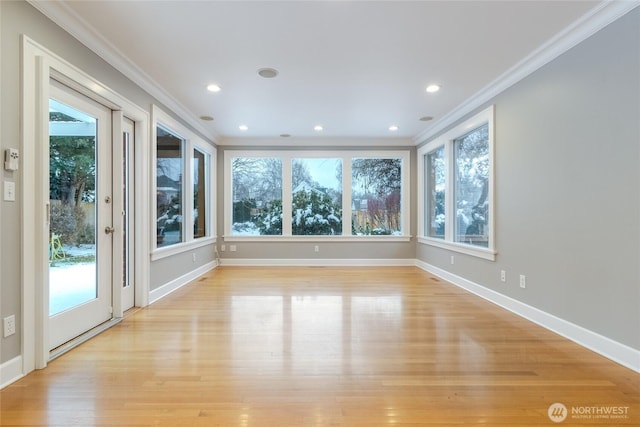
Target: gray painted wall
pixel 20 18
pixel 567 145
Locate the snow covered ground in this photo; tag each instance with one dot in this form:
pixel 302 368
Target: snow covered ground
pixel 70 283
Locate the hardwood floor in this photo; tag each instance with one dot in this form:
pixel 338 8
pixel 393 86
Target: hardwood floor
pixel 322 347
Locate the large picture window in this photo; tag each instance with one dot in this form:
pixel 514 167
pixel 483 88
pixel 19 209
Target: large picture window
pixel 257 196
pixel 183 163
pixel 169 187
pixel 316 196
pixel 455 193
pixel 376 196
pixel 324 194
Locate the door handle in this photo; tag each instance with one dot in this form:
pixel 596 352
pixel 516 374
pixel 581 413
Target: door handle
pixel 109 230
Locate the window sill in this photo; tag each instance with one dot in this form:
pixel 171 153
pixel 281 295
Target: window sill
pixel 179 248
pixel 335 239
pixel 484 253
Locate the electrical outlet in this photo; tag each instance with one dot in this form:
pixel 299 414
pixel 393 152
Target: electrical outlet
pixel 316 248
pixel 223 248
pixel 232 248
pixel 523 281
pixel 9 325
pixel 453 260
pixel 194 257
pixel 503 276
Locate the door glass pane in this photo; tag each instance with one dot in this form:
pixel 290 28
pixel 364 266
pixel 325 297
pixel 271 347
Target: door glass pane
pixel 317 196
pixel 72 194
pixel 127 240
pixel 169 170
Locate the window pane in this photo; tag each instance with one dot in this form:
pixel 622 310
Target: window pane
pixel 199 193
pixel 376 196
pixel 472 187
pixel 435 195
pixel 169 173
pixel 317 196
pixel 257 196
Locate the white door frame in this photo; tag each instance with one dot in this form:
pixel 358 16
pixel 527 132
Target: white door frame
pixel 38 66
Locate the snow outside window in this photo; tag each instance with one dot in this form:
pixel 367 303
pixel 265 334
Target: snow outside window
pixel 316 207
pixel 300 195
pixel 376 195
pixel 257 196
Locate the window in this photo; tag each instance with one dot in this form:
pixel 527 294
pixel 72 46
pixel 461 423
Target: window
pixel 169 188
pixel 257 196
pixel 456 182
pixel 316 196
pixel 471 158
pixel 183 211
pixel 199 178
pixel 435 182
pixel 376 196
pixel 287 195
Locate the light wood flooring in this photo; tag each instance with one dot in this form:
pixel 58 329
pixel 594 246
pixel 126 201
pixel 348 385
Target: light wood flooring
pixel 321 346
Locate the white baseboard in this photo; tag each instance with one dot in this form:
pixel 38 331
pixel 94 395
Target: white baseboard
pixel 618 352
pixel 10 371
pixel 166 289
pixel 315 262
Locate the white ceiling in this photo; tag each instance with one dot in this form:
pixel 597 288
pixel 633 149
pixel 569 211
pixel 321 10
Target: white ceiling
pixel 354 67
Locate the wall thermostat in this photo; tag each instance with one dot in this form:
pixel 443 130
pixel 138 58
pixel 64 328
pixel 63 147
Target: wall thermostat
pixel 11 159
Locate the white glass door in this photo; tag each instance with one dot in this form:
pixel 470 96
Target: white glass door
pixel 80 216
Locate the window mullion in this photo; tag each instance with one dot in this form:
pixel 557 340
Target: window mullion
pixel 449 196
pixel 187 188
pixel 346 196
pixel 287 199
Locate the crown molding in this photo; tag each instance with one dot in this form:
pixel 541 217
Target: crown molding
pixel 599 17
pixel 317 142
pixel 72 23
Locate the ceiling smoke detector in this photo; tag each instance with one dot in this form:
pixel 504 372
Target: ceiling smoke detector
pixel 267 73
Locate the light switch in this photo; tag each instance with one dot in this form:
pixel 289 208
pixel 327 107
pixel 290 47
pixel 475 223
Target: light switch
pixel 9 191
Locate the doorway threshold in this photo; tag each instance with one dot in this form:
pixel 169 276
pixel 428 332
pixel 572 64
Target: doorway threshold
pixel 70 345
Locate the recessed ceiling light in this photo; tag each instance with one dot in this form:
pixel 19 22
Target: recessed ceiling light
pixel 243 127
pixel 206 118
pixel 433 88
pixel 284 135
pixel 318 128
pixel 213 88
pixel 267 73
pixel 393 128
pixel 426 118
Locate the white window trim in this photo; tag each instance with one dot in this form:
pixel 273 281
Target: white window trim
pixel 191 141
pixel 346 156
pixel 446 140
